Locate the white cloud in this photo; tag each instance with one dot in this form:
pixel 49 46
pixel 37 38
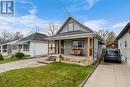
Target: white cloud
pixel 33 11
pixel 119 25
pixel 96 24
pixel 78 5
pixel 24 24
pixel 91 2
pixel 25 2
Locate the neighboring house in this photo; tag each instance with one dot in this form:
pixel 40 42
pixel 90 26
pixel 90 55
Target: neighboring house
pixel 75 39
pixel 32 45
pixel 124 43
pixel 112 46
pixel 7 49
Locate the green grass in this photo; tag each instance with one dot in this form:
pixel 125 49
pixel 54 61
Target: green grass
pixel 8 60
pixel 51 75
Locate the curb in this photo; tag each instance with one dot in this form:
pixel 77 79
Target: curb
pixel 84 82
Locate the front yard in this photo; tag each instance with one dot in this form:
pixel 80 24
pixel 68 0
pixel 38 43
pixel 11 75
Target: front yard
pixel 8 60
pixel 51 75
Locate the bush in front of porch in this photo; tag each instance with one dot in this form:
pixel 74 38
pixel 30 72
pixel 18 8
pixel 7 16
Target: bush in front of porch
pixel 19 55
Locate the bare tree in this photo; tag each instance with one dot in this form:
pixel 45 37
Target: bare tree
pixel 108 36
pixel 7 36
pixel 16 36
pixel 35 30
pixel 52 28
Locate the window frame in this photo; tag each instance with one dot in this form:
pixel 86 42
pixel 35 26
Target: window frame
pixel 126 43
pixel 72 26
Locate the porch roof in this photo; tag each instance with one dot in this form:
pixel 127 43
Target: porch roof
pixel 12 42
pixel 84 35
pixel 23 42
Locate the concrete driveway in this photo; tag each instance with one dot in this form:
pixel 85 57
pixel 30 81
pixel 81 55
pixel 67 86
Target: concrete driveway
pixel 21 64
pixel 110 75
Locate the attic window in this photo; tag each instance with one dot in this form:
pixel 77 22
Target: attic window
pixel 71 26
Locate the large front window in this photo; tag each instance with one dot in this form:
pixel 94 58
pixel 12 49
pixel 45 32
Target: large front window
pixel 77 47
pixel 26 47
pixel 78 44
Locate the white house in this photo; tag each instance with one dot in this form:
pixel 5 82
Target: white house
pixel 32 45
pixel 8 49
pixel 124 43
pixel 77 40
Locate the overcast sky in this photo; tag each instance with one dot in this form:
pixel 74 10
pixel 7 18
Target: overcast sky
pixel 96 14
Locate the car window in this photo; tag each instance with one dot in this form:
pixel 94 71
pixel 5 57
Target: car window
pixel 112 53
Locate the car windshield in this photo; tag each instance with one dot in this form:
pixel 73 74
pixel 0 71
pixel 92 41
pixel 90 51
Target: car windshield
pixel 112 52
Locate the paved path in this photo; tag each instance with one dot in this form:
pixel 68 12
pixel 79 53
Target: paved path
pixel 21 64
pixel 110 75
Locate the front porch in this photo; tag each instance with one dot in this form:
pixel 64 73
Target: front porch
pixel 77 50
pixel 9 49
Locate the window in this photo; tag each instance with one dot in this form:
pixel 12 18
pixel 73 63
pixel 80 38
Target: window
pixel 71 26
pixel 78 44
pixel 26 47
pixel 125 43
pixel 77 48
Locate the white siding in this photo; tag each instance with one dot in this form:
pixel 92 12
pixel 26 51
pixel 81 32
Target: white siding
pixel 76 27
pixel 95 47
pixel 38 48
pixel 125 51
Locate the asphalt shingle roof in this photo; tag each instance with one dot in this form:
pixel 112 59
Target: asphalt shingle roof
pixel 35 36
pixel 71 33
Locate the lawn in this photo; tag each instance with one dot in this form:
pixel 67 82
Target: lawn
pixel 51 75
pixel 8 60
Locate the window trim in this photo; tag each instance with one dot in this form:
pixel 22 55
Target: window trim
pixel 126 43
pixel 72 26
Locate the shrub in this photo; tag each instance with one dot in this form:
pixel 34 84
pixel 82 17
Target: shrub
pixel 19 55
pixel 1 57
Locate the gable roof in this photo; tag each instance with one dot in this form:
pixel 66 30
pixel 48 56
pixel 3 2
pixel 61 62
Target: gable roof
pixel 35 36
pixel 88 29
pixel 124 31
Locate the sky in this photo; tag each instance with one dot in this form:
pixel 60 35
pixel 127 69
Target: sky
pixel 30 15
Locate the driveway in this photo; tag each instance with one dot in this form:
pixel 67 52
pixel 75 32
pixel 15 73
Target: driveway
pixel 110 75
pixel 22 64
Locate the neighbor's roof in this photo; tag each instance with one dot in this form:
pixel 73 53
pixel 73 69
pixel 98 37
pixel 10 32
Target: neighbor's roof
pixel 11 42
pixel 35 36
pixel 126 28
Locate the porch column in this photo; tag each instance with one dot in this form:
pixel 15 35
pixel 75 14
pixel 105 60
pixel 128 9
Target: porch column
pixel 88 52
pixel 59 46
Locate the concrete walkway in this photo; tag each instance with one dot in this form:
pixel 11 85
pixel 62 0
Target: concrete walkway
pixel 21 64
pixel 110 75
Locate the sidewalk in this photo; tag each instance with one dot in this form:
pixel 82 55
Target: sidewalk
pixel 110 75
